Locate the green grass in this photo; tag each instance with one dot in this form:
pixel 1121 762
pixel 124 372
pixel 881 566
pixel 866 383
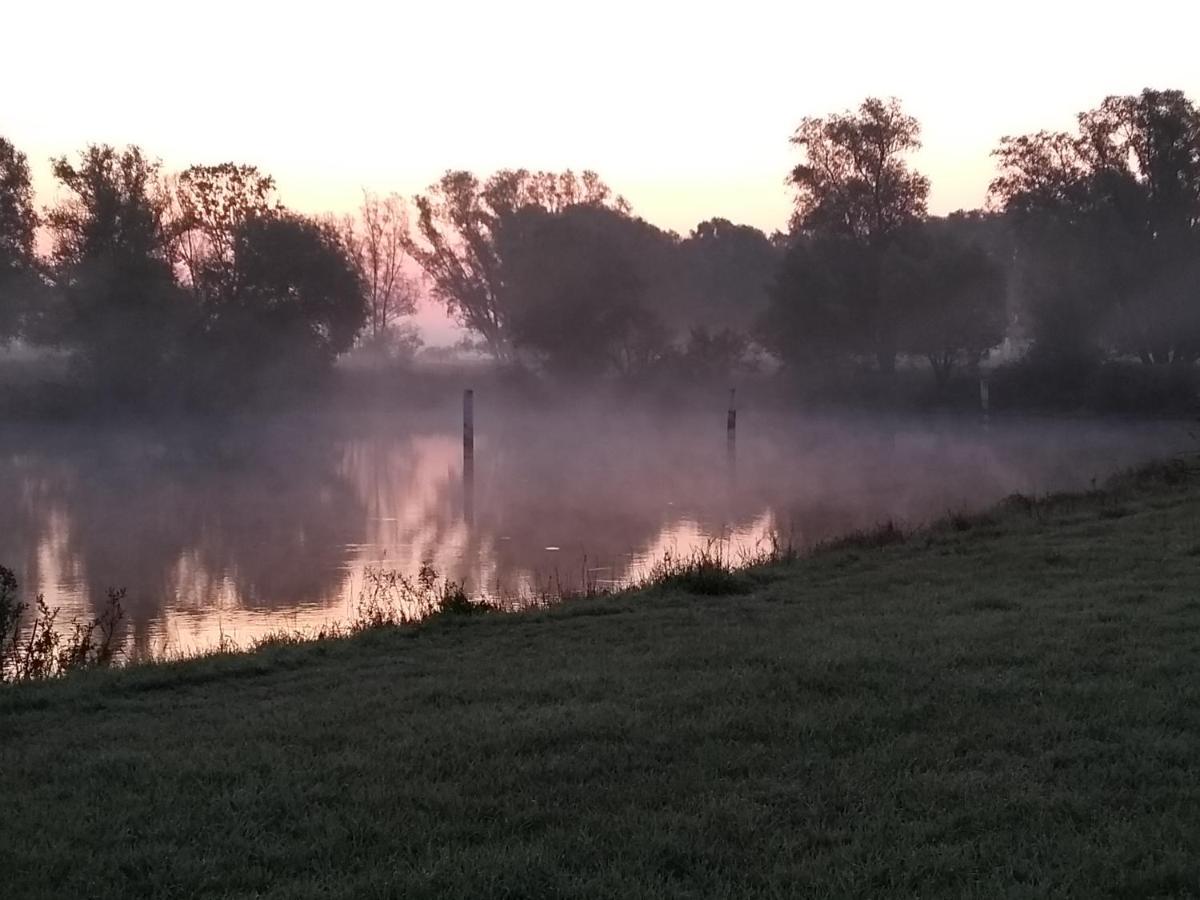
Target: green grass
pixel 1002 705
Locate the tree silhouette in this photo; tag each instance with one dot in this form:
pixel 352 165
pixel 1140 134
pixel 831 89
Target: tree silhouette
pixel 278 294
pixel 712 355
pixel 119 307
pixel 951 292
pixel 1109 219
pixel 727 269
pixel 853 180
pixel 854 193
pixel 574 285
pixel 822 302
pixel 375 241
pixel 298 303
pixel 211 204
pixel 457 221
pixel 18 223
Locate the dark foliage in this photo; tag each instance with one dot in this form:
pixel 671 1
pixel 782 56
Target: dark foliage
pixel 1109 222
pixel 18 223
pixel 116 304
pixel 575 289
pixel 206 287
pixel 855 193
pixel 296 297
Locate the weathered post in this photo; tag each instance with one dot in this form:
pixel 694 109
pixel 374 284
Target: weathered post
pixel 468 428
pixel 985 416
pixel 469 456
pixel 731 428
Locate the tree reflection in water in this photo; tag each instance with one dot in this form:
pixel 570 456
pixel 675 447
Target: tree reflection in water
pixel 240 529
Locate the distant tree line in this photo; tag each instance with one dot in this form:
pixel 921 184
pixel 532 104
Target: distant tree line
pixel 1087 250
pixel 1106 221
pixel 202 282
pixel 553 270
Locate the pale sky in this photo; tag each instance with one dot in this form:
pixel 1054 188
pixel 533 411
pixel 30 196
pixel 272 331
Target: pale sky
pixel 683 107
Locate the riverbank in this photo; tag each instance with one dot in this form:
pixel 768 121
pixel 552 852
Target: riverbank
pixel 1003 704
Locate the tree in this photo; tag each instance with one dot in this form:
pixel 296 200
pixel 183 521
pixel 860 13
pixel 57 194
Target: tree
pixel 709 355
pixel 1042 175
pixel 854 187
pixel 298 302
pixel 1059 267
pixel 18 222
pixel 376 244
pixel 574 287
pixel 457 222
pixel 211 204
pixel 1109 220
pixel 119 307
pixel 943 289
pixel 727 269
pixel 1143 154
pixel 853 180
pixel 951 292
pixel 815 317
pixel 279 295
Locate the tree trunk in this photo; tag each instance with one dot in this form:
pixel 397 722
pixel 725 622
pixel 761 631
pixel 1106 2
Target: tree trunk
pixel 941 365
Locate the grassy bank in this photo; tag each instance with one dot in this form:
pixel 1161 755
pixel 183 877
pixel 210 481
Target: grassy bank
pixel 1005 705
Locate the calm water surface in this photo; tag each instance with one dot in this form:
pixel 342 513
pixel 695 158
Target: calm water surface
pixel 240 528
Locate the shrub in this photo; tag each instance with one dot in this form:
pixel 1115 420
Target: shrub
pixel 42 651
pixel 390 599
pixel 705 571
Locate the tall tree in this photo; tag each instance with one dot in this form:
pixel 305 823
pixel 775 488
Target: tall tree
pixel 278 294
pixel 211 204
pixel 455 241
pixel 375 240
pixel 1109 218
pixel 18 222
pixel 727 269
pixel 952 292
pixel 119 304
pixel 814 318
pixel 299 275
pixel 575 289
pixel 708 356
pixel 853 179
pixel 299 303
pixel 853 184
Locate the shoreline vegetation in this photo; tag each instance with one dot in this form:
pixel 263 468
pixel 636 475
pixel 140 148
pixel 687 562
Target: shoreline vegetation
pixel 998 703
pixel 35 642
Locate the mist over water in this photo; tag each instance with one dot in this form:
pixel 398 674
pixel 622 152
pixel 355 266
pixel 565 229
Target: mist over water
pixel 272 522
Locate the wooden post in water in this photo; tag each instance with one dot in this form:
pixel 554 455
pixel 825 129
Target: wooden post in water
pixel 731 428
pixel 468 428
pixel 469 456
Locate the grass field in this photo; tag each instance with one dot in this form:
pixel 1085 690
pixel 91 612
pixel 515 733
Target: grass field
pixel 1003 705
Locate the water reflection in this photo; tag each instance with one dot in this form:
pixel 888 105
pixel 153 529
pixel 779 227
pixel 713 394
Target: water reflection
pixel 195 525
pixel 240 529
